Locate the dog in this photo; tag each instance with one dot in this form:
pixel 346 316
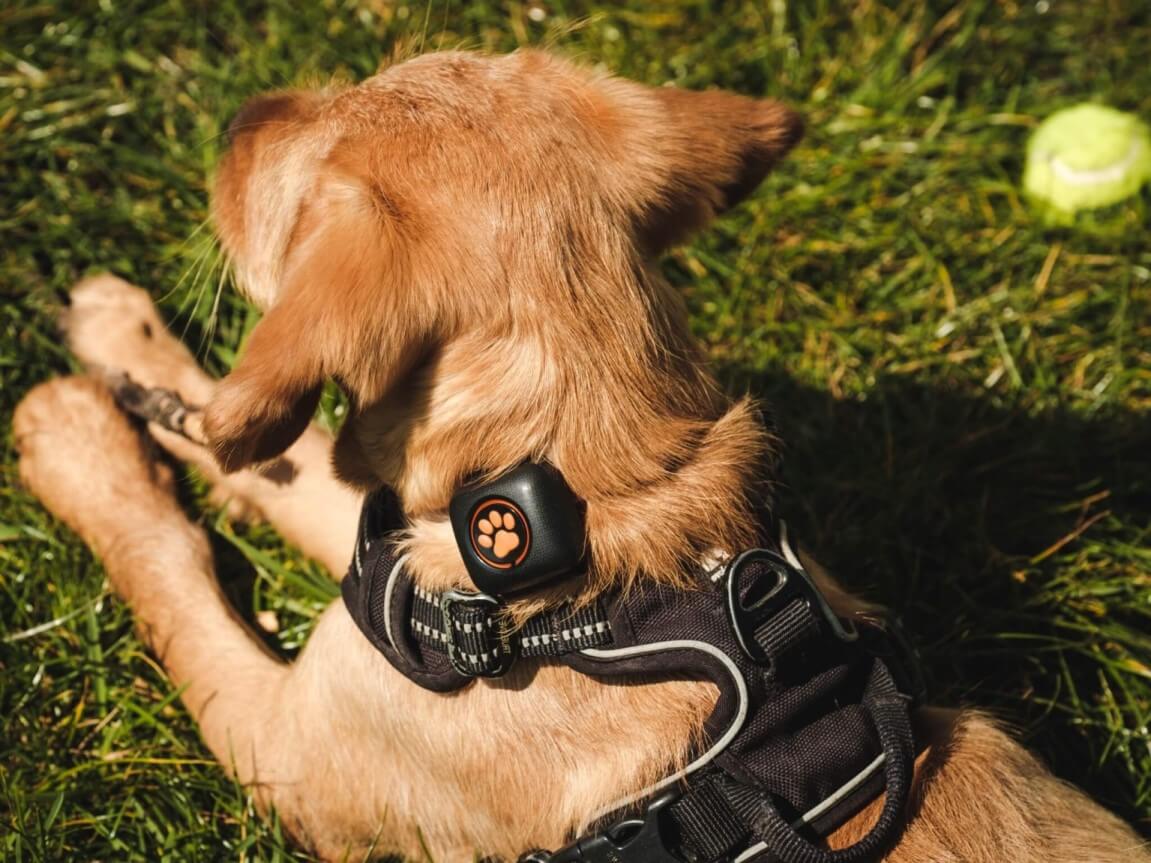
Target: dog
pixel 467 244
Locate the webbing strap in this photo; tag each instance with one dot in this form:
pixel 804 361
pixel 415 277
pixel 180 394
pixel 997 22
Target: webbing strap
pixel 556 634
pixel 469 628
pixel 706 824
pixel 787 631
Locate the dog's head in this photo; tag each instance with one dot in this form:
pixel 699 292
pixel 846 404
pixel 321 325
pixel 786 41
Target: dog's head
pixel 457 196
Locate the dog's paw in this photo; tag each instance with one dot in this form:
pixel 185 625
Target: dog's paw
pixel 109 323
pixel 497 529
pixel 113 326
pixel 82 457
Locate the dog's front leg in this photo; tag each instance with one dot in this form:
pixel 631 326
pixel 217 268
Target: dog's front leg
pixel 113 327
pixel 262 718
pixel 88 465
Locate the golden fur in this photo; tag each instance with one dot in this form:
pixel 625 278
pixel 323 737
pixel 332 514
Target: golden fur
pixel 466 244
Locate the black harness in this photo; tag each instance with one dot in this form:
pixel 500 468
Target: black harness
pixel 812 721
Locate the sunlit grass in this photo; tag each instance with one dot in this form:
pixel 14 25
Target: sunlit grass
pixel 964 392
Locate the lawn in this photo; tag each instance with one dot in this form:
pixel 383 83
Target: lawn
pixel 964 390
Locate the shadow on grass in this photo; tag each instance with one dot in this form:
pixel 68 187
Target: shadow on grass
pixel 1010 545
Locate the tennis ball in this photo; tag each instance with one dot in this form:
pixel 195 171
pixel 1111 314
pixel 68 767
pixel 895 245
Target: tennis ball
pixel 1086 156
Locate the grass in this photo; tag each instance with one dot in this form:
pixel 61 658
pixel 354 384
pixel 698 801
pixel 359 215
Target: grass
pixel 964 390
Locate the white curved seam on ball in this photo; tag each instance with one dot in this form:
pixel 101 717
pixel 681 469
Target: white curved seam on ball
pixel 1095 176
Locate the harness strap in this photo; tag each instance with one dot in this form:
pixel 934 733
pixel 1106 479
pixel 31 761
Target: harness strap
pixel 470 630
pixel 888 709
pixel 444 640
pixel 787 632
pixel 708 826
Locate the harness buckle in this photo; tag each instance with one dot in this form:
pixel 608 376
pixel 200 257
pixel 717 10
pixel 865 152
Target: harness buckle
pixel 642 838
pixel 759 603
pixel 478 643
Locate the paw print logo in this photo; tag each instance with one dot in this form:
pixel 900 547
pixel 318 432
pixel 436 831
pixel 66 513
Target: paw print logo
pixel 500 534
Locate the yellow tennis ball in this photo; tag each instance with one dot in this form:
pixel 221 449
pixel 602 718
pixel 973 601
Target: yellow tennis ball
pixel 1086 156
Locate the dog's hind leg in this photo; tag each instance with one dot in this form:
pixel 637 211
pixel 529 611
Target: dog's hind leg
pixel 113 326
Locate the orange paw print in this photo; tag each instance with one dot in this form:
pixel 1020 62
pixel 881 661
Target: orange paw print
pixel 498 532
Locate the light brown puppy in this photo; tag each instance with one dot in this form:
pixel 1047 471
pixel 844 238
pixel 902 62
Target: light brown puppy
pixel 467 245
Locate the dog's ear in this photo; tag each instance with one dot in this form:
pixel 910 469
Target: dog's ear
pixel 266 402
pixel 337 313
pixel 715 147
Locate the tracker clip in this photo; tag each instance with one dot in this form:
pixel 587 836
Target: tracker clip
pixel 520 531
